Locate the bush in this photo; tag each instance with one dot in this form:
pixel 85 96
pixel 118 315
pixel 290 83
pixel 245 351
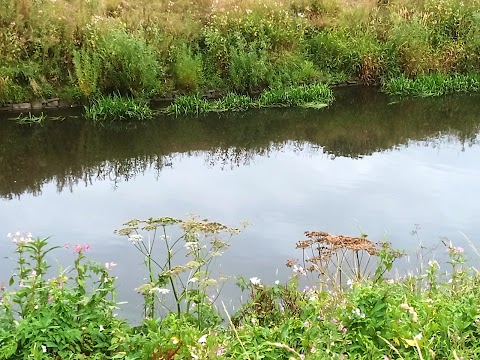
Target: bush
pixel 117 62
pixel 187 69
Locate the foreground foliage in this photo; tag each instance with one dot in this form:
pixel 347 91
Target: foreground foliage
pixel 351 309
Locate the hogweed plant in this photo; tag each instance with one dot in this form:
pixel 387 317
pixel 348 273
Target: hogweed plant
pixel 183 268
pixel 340 260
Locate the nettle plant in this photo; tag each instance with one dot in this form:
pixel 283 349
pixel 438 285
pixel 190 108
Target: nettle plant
pixel 180 277
pixel 72 312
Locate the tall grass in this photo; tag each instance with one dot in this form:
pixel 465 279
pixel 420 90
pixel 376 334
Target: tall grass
pixel 147 47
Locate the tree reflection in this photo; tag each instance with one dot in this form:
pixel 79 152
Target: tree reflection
pixel 361 122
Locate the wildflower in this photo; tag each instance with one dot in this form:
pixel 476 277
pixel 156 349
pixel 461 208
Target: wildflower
pixel 277 282
pixel 302 357
pixel 248 11
pixel 255 281
pixel 81 248
pixel 175 340
pixel 203 339
pixel 455 250
pixel 44 348
pixel 306 324
pixel 101 328
pixel 135 238
pixel 419 336
pixel 192 354
pixel 385 357
pixel 192 280
pixel 313 350
pixel 220 351
pixel 159 290
pixel 299 270
pixel 110 265
pixel 358 313
pixel 254 321
pixel 334 320
pixel 191 245
pixel 19 238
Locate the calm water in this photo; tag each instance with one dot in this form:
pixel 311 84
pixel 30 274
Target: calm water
pixel 364 164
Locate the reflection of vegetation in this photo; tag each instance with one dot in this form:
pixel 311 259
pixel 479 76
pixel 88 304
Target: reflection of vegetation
pixel 31 119
pixel 359 123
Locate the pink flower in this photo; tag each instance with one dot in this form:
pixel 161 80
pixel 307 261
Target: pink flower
pixel 80 248
pixel 455 250
pixel 220 350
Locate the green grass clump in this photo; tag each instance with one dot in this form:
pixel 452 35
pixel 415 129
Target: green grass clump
pixel 313 96
pixel 188 104
pixel 296 96
pixel 117 108
pixel 433 84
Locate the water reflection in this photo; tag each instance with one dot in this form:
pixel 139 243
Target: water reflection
pixel 360 123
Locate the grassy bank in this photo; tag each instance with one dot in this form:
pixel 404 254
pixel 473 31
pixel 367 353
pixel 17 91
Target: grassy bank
pixel 81 50
pixel 357 305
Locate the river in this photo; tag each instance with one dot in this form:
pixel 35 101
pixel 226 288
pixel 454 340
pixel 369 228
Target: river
pixel 405 170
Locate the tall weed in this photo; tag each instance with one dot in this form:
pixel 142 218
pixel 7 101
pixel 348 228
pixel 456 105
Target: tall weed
pixel 187 69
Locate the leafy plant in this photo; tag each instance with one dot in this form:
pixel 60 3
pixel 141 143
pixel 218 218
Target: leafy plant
pixel 71 313
pixel 190 281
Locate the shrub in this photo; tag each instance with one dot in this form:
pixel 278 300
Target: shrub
pixel 128 65
pixel 187 69
pixel 88 71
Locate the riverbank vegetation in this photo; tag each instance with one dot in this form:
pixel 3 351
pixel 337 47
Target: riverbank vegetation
pixel 356 305
pixel 309 96
pixel 81 50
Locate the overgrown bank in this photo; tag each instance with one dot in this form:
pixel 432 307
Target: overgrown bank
pixel 81 50
pixel 353 308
